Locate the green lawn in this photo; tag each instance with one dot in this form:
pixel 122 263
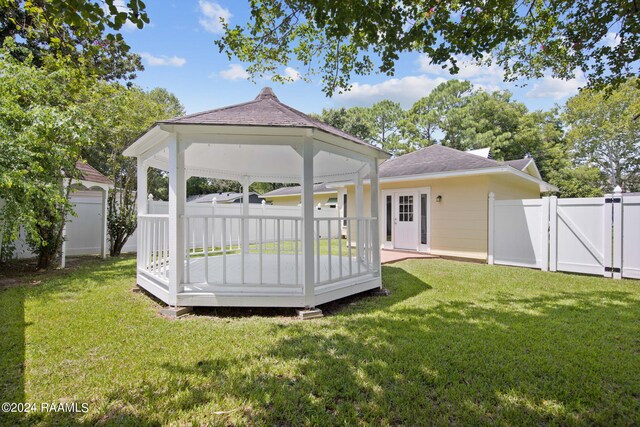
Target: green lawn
pixel 455 343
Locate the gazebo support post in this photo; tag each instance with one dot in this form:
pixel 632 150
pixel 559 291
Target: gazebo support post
pixel 177 194
pixel 141 204
pixel 246 182
pixel 141 192
pixel 307 222
pixel 375 227
pixel 105 225
pixel 359 215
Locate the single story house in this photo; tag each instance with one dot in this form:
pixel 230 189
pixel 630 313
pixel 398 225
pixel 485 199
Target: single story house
pixel 225 198
pixel 323 195
pixel 434 199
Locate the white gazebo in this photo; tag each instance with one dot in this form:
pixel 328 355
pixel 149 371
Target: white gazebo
pixel 206 256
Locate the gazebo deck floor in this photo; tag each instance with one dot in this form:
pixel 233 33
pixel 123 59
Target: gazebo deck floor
pixel 287 279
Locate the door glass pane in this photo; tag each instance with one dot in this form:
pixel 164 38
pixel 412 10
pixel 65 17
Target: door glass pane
pixel 405 206
pixel 423 219
pixel 389 215
pixel 344 208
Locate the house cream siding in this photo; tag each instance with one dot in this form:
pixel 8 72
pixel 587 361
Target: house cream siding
pixel 294 200
pixel 507 188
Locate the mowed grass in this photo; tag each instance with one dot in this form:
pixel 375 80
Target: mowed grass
pixel 454 343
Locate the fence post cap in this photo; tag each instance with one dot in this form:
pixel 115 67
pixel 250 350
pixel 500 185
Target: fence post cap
pixel 492 195
pixel 617 190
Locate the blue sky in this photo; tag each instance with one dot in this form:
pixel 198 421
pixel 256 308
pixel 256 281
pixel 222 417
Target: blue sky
pixel 179 54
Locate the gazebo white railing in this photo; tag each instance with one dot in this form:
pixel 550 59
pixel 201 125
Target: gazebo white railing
pixel 193 258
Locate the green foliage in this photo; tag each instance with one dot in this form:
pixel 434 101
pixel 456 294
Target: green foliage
pixel 80 31
pixel 379 124
pixel 386 117
pixel 356 121
pixel 428 115
pixel 580 181
pixel 528 39
pixel 43 128
pixel 605 133
pixel 199 185
pixel 542 136
pixel 485 120
pixel 119 115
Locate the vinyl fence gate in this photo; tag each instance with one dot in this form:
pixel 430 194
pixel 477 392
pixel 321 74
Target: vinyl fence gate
pixel 597 235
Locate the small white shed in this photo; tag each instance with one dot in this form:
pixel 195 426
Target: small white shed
pixel 191 258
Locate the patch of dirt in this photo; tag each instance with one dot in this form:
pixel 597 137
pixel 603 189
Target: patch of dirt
pixel 23 272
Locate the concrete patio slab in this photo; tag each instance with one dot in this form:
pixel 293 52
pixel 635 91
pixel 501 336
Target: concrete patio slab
pixel 390 256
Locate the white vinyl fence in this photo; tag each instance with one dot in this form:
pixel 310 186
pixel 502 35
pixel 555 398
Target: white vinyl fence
pixel 84 230
pixel 631 239
pixel 599 235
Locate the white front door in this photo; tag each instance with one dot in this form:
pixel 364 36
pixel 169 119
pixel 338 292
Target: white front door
pixel 406 221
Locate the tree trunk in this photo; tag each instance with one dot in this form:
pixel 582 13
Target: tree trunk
pixel 116 247
pixel 44 260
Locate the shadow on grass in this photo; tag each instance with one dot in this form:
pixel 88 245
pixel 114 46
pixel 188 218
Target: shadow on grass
pixel 566 359
pixel 12 350
pixel 563 358
pixel 29 283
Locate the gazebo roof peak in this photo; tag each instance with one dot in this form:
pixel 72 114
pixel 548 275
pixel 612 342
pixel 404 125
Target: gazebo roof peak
pixel 267 93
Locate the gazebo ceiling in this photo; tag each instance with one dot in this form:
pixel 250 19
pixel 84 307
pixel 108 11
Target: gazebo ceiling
pixel 261 139
pixel 265 163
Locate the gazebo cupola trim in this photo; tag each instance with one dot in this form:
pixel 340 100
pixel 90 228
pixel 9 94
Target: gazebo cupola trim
pixel 262 140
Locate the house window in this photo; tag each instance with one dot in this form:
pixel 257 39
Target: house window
pixel 344 209
pixel 423 219
pixel 405 209
pixel 389 207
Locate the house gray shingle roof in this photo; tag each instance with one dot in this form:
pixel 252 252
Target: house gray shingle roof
pixel 432 159
pixel 265 110
pixel 519 164
pixel 292 191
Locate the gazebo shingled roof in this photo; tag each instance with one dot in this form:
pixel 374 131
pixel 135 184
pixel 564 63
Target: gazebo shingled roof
pixel 265 110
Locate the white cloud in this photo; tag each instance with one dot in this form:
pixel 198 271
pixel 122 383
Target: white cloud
pixel 163 60
pixel 556 89
pixel 486 75
pixel 406 91
pixel 234 72
pixel 292 74
pixel 212 15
